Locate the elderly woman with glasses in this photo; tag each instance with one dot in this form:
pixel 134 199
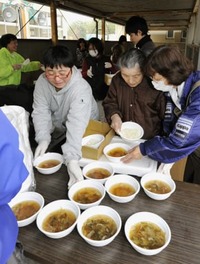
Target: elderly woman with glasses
pixel 63 105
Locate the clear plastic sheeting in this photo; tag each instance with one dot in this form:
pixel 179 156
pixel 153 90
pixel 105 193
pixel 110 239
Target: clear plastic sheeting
pixel 19 118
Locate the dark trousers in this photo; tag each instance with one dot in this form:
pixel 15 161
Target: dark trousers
pixel 192 169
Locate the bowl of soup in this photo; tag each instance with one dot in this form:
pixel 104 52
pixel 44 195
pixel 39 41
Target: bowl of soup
pixel 98 170
pixel 99 225
pixel 131 131
pixel 26 206
pixel 86 193
pixel 148 233
pixel 158 186
pixel 48 163
pixel 115 151
pixel 58 218
pixel 122 188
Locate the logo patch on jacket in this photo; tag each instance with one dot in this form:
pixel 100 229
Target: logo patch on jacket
pixel 182 128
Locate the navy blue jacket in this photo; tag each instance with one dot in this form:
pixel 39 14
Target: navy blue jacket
pixel 183 133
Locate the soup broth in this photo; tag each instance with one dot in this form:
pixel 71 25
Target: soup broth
pixel 147 235
pixel 25 209
pixel 98 173
pixel 117 152
pixel 122 189
pixel 157 186
pixel 48 164
pixel 99 227
pixel 87 195
pixel 59 220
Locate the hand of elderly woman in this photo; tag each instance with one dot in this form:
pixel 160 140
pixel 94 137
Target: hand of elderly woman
pixel 133 154
pixel 116 123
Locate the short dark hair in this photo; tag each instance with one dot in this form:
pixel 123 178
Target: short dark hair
pixel 136 23
pixel 122 39
pixel 81 40
pixel 57 56
pixel 6 39
pixel 169 61
pixel 97 43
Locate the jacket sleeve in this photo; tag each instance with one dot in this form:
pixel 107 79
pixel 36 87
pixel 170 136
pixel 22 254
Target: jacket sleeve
pixel 41 111
pixel 6 68
pixel 183 139
pixel 84 69
pixel 32 66
pixel 110 103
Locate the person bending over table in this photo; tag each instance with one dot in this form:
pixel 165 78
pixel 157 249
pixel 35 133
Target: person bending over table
pixel 63 102
pixel 172 73
pixel 131 97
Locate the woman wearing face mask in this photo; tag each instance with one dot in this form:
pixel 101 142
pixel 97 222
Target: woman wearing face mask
pixel 131 97
pixel 94 68
pixel 173 74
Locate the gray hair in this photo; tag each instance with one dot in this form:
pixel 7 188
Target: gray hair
pixel 131 58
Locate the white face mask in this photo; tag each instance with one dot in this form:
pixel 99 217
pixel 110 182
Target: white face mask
pixel 93 53
pixel 161 86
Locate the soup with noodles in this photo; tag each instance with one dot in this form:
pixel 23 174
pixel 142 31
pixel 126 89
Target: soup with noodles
pixel 98 173
pixel 157 186
pixel 26 209
pixel 122 189
pixel 99 227
pixel 48 164
pixel 147 235
pixel 87 195
pixel 117 152
pixel 59 220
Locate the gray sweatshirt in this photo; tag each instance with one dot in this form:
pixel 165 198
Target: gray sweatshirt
pixel 69 109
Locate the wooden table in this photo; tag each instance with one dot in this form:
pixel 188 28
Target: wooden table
pixel 181 211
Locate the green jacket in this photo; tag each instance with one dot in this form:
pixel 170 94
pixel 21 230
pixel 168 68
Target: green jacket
pixel 10 76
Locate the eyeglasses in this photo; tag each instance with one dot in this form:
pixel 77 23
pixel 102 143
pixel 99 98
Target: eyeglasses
pixel 61 74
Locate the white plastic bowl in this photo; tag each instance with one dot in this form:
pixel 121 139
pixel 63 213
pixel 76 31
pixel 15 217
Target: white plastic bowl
pixel 112 146
pixel 27 196
pixel 131 131
pixel 45 157
pixel 147 217
pixel 120 179
pixel 93 141
pixel 161 177
pixel 99 210
pixel 95 165
pixel 86 184
pixel 52 207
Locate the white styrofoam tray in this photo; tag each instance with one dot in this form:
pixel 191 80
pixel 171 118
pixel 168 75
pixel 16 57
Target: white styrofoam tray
pixel 136 167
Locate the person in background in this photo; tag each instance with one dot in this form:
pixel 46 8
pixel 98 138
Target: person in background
pixel 172 73
pixel 11 62
pixel 131 97
pixel 81 52
pixel 13 174
pixel 12 92
pixel 123 42
pixel 63 104
pixel 95 65
pixel 137 28
pixel 116 51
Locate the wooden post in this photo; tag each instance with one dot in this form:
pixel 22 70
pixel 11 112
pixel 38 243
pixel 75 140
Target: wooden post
pixel 54 31
pixel 103 30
